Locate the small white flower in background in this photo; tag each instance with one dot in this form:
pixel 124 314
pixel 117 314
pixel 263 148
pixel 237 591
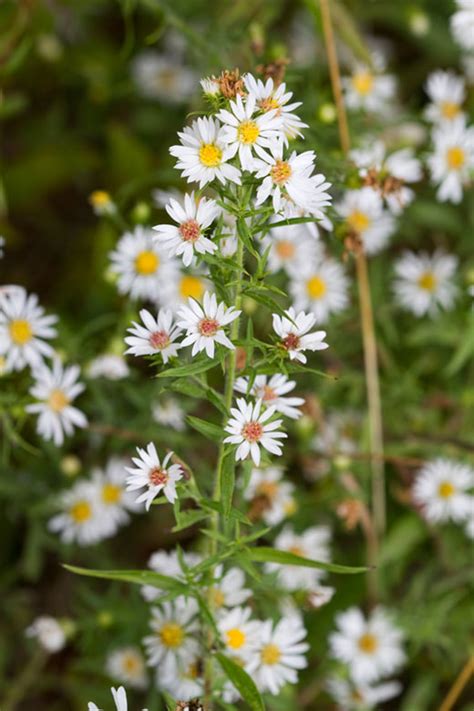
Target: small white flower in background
pixel 204 324
pixel 369 89
pixel 157 335
pixel 280 654
pixel 182 679
pixel 239 633
pixel 120 700
pixel 56 388
pixel 82 518
pixel 167 563
pixel 290 246
pixel 210 86
pixel 442 490
pixel 102 203
pixel 109 366
pixel 270 98
pixel 292 178
pixel 127 665
pixel 320 596
pixel 172 625
pixel 184 287
pixel 112 494
pixel 154 476
pixel 446 92
pixel 170 414
pixel 462 24
pixel 313 544
pixel 23 328
pixel 338 433
pixel 364 215
pixel 159 76
pixel 249 428
pixel 452 160
pixel 292 329
pixel 228 589
pixel 424 283
pixel 272 392
pixel 273 496
pixel 203 154
pixel 320 287
pixel 350 697
pixel 48 632
pixel 245 133
pixel 142 266
pixel 371 648
pixel 192 218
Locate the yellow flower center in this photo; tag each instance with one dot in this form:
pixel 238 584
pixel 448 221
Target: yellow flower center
pixel 358 221
pixel 99 198
pixel 111 494
pixel 446 489
pixel 269 489
pixel 280 172
pixel 269 104
pixel 210 155
pixel 217 597
pixel 248 132
pixel 191 286
pixel 427 281
pixel 20 332
pixel 289 507
pixel 316 287
pixel 368 643
pixel 57 401
pixel 297 550
pixel 455 158
pixel 449 109
pixel 285 249
pixel 270 654
pixel 235 638
pixel 81 511
pixel 146 263
pixel 131 665
pixel 172 635
pixel 363 83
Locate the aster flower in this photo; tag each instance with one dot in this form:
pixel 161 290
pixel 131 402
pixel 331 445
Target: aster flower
pixel 424 282
pixel 452 160
pixel 271 497
pixel 210 86
pixel 371 648
pixel 320 287
pixel 170 414
pixel 268 98
pixel 192 218
pixel 290 246
pixel 56 388
pixel 369 89
pixel 249 428
pixel 292 329
pixel 352 697
pixel 462 24
pixel 182 679
pixel 126 664
pixel 272 391
pixel 48 632
pixel 446 92
pixel 82 518
pixel 109 366
pixel 120 699
pixel 157 335
pixel 185 286
pixel 442 490
pixel 228 589
pixel 239 633
pixel 112 494
pixel 160 76
pixel 313 543
pixel 364 216
pixel 23 330
pixel 173 625
pixel 204 324
pixel 152 475
pixel 204 154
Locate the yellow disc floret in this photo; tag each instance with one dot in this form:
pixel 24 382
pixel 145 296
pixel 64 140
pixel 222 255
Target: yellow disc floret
pixel 20 331
pixel 146 263
pixel 210 155
pixel 316 287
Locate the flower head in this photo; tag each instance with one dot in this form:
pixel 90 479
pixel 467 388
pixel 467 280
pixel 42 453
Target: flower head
pixel 365 217
pixel 442 490
pixel 205 324
pixel 269 98
pixel 157 335
pixel 424 282
pixel 173 625
pixel 49 633
pixel 452 160
pixel 82 518
pixel 313 543
pixel 273 392
pixel 152 475
pixel 447 93
pixel 250 429
pixel 292 330
pixel 126 664
pixel 321 287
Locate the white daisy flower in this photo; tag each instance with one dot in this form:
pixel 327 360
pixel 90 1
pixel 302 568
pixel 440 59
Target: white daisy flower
pixel 109 366
pixel 154 476
pixel 452 160
pixel 184 287
pixel 272 496
pixel 82 518
pixel 48 632
pixel 120 700
pixel 157 335
pixel 204 154
pixel 290 246
pixel 272 392
pixel 239 633
pixel 182 679
pixel 321 287
pixel 292 329
pixel 244 132
pixel 292 178
pixel 192 218
pixel 364 216
pixel 350 697
pixel 56 388
pixel 369 89
pixel 210 86
pixel 102 203
pixel 372 648
pixel 127 665
pixel 112 493
pixel 280 654
pixel 228 589
pixel 270 98
pixel 205 324
pixel 424 282
pixel 442 490
pixel 170 414
pixel 173 625
pixel 250 429
pixel 320 596
pixel 167 563
pixel 141 265
pixel 313 544
pixel 447 93
pixel 462 24
pixel 159 76
pixel 23 328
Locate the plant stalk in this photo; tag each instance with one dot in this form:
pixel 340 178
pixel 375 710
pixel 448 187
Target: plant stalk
pixel 457 688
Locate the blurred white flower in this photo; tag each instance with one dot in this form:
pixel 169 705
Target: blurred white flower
pixel 442 490
pixel 452 160
pixel 227 589
pixel 126 664
pixel 446 92
pixel 364 215
pixel 290 246
pixel 462 24
pixel 173 625
pixel 369 89
pixel 168 563
pixel 321 287
pixel 48 632
pixel 313 543
pixel 351 697
pixel 109 366
pixel 424 282
pixel 271 494
pixel 170 414
pixel 160 76
pixel 82 519
pixel 239 634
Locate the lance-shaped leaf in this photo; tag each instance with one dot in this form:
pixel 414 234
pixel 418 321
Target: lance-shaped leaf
pixel 183 371
pixel 138 577
pixel 212 432
pixel 264 554
pixel 244 684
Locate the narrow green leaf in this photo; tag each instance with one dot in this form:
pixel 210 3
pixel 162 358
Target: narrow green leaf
pixel 265 554
pixel 233 513
pixel 182 371
pixel 242 682
pixel 209 430
pixel 138 577
pixel 189 518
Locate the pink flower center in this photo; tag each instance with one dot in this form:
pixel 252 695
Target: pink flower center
pixel 158 476
pixel 190 231
pixel 291 342
pixel 267 393
pixel 159 340
pixel 252 431
pixel 208 326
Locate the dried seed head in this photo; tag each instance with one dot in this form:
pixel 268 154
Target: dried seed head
pixel 274 70
pixel 231 83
